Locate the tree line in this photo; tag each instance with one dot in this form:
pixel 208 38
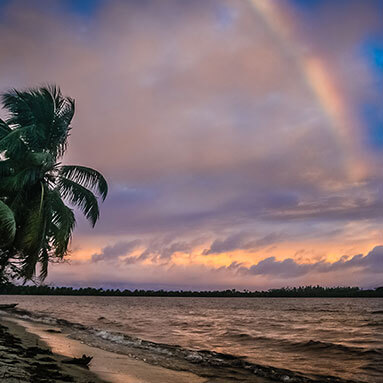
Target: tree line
pixel 285 292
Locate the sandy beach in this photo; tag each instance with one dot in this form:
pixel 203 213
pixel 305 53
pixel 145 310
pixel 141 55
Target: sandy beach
pixel 24 357
pixel 29 353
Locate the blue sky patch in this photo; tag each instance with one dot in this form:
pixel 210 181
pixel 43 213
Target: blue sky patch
pixel 373 117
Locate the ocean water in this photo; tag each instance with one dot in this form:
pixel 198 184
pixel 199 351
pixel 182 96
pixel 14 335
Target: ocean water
pixel 341 337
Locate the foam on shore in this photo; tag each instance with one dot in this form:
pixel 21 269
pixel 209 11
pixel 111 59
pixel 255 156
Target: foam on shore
pixel 120 358
pixel 106 366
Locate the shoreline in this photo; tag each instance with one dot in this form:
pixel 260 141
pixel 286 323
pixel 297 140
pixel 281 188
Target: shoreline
pixel 139 366
pixel 106 367
pixel 25 358
pixel 143 362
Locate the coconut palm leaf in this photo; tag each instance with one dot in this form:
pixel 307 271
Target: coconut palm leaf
pixel 46 114
pixel 87 177
pixel 6 168
pixel 80 197
pixel 20 180
pixel 62 223
pixel 13 144
pixel 7 225
pixel 4 129
pixel 44 262
pixel 33 237
pixel 33 185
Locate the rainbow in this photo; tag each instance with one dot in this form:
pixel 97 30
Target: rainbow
pixel 318 77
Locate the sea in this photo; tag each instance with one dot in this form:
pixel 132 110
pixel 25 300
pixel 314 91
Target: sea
pixel 340 337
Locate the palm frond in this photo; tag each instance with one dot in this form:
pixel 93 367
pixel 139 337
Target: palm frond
pixel 45 112
pixel 33 230
pixel 33 216
pixel 32 110
pixel 4 129
pixel 40 159
pixel 81 197
pixel 65 108
pixel 6 168
pixel 87 177
pixel 7 225
pixel 62 224
pixel 18 202
pixel 32 238
pixel 44 261
pixel 13 144
pixel 20 180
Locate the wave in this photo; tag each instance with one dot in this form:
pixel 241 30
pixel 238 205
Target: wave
pixel 180 358
pixel 208 358
pixel 316 345
pixel 306 346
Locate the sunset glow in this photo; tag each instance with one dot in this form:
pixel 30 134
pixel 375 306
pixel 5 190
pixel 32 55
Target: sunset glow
pixel 235 135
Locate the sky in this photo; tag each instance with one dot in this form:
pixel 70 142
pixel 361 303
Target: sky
pixel 242 139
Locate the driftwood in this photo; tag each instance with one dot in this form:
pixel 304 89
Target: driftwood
pixel 83 361
pixel 8 306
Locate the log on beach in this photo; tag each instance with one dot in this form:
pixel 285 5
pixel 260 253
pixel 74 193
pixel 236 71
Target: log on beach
pixel 8 306
pixel 83 361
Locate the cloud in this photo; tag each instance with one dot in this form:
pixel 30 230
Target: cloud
pixel 158 250
pixel 161 250
pixel 241 241
pixel 289 268
pixel 113 252
pixel 365 271
pixel 205 127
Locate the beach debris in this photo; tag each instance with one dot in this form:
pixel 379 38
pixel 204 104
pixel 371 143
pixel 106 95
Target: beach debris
pixel 83 361
pixel 54 331
pixel 8 306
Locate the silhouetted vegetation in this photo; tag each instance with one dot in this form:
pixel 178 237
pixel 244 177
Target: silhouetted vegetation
pixel 36 223
pixel 287 292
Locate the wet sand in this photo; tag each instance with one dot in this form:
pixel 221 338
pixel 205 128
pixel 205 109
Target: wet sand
pixel 16 365
pixel 24 358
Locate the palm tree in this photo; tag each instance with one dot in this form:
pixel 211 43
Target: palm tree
pixel 36 223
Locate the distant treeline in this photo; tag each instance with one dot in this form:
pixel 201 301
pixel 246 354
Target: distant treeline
pixel 286 292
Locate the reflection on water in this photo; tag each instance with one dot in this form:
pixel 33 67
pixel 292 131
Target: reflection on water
pixel 338 336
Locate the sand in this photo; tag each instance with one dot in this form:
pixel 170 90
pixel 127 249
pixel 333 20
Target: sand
pixel 28 353
pixel 25 358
